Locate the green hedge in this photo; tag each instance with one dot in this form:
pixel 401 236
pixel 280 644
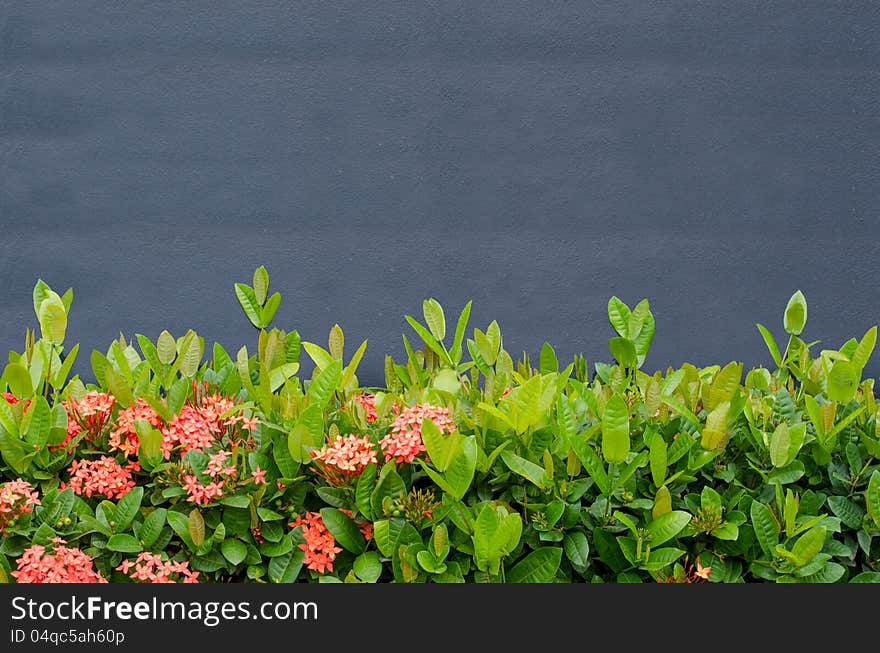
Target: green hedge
pixel 177 463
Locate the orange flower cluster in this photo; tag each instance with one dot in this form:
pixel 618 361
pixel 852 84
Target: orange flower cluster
pixel 320 546
pixel 104 477
pixel 62 564
pixel 344 458
pixel 16 498
pixel 150 568
pixel 124 438
pixel 404 442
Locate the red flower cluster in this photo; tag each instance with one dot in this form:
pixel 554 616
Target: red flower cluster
pixel 124 438
pixel 368 401
pixel 16 498
pixel 344 458
pixel 63 564
pixel 404 442
pixel 320 546
pixel 150 568
pixel 104 477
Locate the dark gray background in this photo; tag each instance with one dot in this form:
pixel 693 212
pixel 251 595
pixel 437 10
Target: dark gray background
pixel 535 157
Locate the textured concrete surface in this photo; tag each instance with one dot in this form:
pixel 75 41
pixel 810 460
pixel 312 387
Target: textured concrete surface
pixel 535 157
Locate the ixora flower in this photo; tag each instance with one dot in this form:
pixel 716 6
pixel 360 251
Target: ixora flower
pixel 17 498
pixel 344 458
pixel 102 477
pixel 124 437
pixel 92 414
pixel 320 546
pixel 56 564
pixel 368 402
pixel 404 442
pixel 201 423
pixel 151 568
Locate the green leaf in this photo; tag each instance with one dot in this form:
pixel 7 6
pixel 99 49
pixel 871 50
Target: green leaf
pixel 234 550
pixel 667 526
pixel 196 527
pixel 808 545
pixel 770 341
pixel 615 430
pixel 577 550
pixel 368 566
pixel 387 532
pixel 766 527
pixel 657 448
pixel 249 304
pixel 15 453
pixel 41 292
pixel 285 568
pixel 434 318
pixel 864 349
pixel 623 350
pixel 128 508
pixel 152 527
pixel 19 380
pixel 548 361
pixel 461 470
pixel 322 387
pixel 849 512
pixel 525 468
pixel 618 315
pixel 389 485
pixel 795 314
pixel 843 381
pixel 657 559
pixel 344 530
pixel 124 544
pixel 662 502
pixel 166 348
pixel 780 443
pixel 261 285
pixel 53 319
pixel 191 357
pixel 441 449
pixel 539 566
pixel 269 309
pixel 150 446
pixel 118 386
pixel 40 422
pixel 872 497
pixel 363 489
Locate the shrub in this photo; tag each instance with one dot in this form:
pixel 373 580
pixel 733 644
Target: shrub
pixel 467 466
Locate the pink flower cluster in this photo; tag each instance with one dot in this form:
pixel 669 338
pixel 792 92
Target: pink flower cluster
pixel 16 498
pixel 104 477
pixel 344 458
pixel 368 401
pixel 200 424
pixel 217 468
pixel 62 564
pixel 217 465
pixel 124 437
pixel 201 493
pixel 150 568
pixel 404 442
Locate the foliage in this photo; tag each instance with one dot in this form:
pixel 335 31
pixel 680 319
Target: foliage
pixel 467 466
